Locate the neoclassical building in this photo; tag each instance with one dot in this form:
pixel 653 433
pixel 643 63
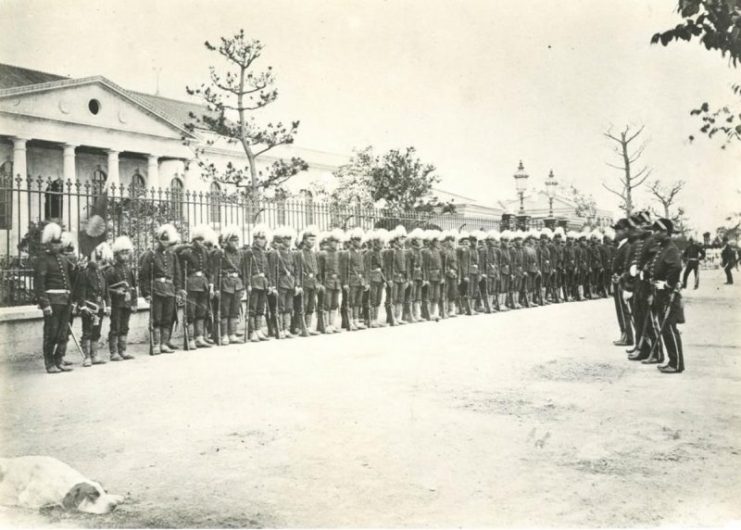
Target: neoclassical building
pixel 92 131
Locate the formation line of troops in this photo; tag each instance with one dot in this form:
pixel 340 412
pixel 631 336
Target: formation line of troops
pixel 281 284
pixel 646 272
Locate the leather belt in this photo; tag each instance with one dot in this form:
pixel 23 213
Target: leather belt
pixel 57 291
pixel 197 273
pixel 164 280
pixel 232 274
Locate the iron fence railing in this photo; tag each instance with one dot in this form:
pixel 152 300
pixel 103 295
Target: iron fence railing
pixel 26 204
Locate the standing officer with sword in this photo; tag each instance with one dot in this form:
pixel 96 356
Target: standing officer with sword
pixel 666 268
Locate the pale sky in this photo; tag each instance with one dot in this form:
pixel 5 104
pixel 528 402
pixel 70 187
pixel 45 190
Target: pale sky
pixel 474 85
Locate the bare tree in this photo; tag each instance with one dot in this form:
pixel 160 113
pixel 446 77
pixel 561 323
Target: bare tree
pixel 230 96
pixel 630 179
pixel 665 195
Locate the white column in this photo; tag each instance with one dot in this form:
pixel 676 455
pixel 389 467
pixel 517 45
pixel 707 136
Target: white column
pixel 153 171
pixel 113 177
pixel 70 179
pixel 20 219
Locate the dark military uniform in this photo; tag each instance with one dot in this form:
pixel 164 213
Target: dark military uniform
pixel 160 278
pixel 353 278
pixel 328 263
pixel 452 273
pixel 692 256
pixel 122 287
pixel 432 265
pixel 92 298
pixel 307 270
pixel 666 267
pixel 53 282
pixel 622 308
pixel 198 270
pixel 256 268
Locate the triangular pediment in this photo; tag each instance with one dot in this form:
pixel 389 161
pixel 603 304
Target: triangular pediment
pixel 95 102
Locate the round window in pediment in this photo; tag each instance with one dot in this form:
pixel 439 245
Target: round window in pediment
pixel 94 106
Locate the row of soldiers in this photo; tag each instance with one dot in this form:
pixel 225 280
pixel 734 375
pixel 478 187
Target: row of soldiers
pixel 344 277
pixel 276 285
pixel 646 274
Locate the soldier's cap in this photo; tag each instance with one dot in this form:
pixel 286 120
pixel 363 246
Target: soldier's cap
pixel 102 252
pixel 492 235
pixel 336 235
pixel 122 243
pixel 546 233
pixel 201 232
pixel 664 225
pixel 506 235
pixel 52 233
pixel 460 236
pixel 417 233
pixel 572 234
pixel 167 233
pixel 609 233
pixel 448 235
pixel 559 232
pixel 433 235
pixel 520 234
pixel 354 233
pixel 284 232
pixel 621 224
pixel 230 233
pixel 309 231
pixel 68 242
pixel 400 231
pixel 596 234
pixel 261 230
pixel 478 235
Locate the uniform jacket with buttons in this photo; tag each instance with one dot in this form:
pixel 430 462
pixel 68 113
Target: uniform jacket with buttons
pixel 53 272
pixel 328 263
pixel 91 286
pixel 121 280
pixel 162 268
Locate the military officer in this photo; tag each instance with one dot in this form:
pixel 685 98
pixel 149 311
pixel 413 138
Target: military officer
pixel 93 301
pixel 161 283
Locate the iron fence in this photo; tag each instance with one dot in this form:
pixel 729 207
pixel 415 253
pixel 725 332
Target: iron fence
pixel 94 212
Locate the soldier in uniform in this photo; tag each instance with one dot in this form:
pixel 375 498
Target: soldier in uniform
pixel 692 256
pixel 531 268
pixel 451 272
pixel 518 264
pixel 432 265
pixel 398 272
pixel 608 249
pixel 492 271
pixel 93 301
pixel 258 279
pixel 728 260
pixel 482 288
pixel 545 262
pixel 230 266
pixel 376 277
pixel 161 283
pixel 557 262
pixel 466 267
pixel 506 272
pixel 306 279
pixel 54 276
pixel 416 273
pixel 617 267
pixel 328 262
pixel 596 264
pixel 283 271
pixel 571 266
pixel 353 278
pixel 638 261
pixel 197 267
pixel 122 287
pixel 665 270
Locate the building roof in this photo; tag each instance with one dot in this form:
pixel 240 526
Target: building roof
pixel 15 76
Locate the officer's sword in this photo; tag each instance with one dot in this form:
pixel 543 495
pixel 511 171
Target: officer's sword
pixel 74 339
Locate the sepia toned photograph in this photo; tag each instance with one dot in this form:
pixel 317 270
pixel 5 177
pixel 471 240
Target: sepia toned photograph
pixel 370 264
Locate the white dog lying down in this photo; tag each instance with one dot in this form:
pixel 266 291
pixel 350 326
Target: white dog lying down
pixel 39 481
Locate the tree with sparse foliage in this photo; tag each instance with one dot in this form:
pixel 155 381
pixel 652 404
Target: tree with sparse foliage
pixel 232 96
pixel 398 180
pixel 630 178
pixel 584 205
pixel 717 25
pixel 666 195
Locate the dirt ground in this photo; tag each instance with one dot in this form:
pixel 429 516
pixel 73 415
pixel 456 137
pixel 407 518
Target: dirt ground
pixel 529 418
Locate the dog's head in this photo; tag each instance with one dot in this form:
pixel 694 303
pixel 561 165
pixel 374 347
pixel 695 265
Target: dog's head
pixel 90 497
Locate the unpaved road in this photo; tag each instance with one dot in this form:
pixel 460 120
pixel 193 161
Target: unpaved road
pixel 529 418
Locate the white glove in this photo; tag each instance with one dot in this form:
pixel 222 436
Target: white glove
pixel 627 295
pixel 660 284
pixel 633 271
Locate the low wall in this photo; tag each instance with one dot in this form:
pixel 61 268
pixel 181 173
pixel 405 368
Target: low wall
pixel 21 331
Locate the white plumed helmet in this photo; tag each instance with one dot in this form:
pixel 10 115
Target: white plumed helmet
pixel 167 233
pixel 122 243
pixel 102 253
pixel 52 232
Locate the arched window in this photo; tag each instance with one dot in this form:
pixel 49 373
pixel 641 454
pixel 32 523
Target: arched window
pixel 98 180
pixel 138 184
pixel 6 195
pixel 53 200
pixel 176 197
pixel 215 203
